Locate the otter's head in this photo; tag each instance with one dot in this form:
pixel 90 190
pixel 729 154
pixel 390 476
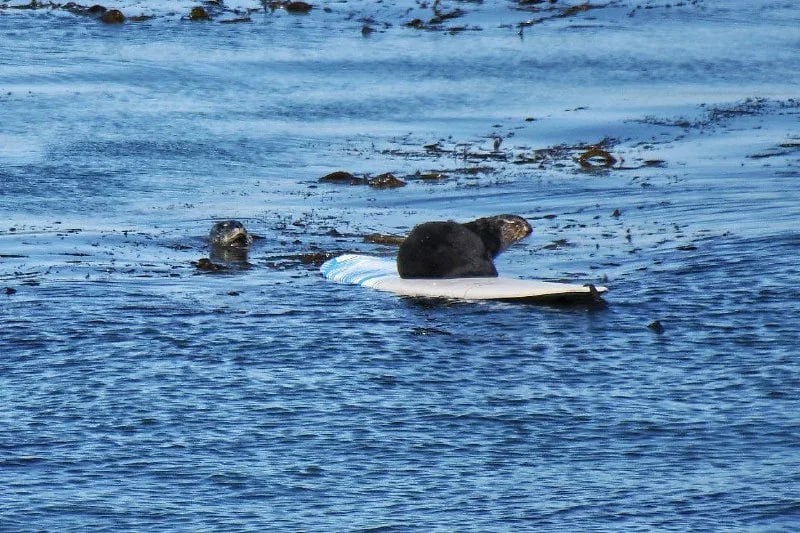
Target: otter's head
pixel 500 231
pixel 230 233
pixel 513 228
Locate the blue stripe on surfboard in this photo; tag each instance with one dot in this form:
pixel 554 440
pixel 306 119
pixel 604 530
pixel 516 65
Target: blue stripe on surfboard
pixel 358 269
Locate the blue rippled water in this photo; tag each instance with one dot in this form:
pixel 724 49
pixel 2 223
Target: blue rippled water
pixel 140 393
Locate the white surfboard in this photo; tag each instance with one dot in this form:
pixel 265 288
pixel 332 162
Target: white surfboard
pixel 381 274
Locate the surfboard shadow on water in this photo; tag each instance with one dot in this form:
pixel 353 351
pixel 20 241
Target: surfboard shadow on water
pixel 587 302
pixel 593 299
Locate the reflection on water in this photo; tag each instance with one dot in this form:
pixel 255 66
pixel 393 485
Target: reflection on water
pixel 139 389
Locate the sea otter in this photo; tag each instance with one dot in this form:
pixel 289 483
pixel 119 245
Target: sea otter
pixel 229 241
pixel 453 250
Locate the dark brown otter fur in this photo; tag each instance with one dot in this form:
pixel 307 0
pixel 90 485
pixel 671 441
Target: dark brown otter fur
pixel 453 250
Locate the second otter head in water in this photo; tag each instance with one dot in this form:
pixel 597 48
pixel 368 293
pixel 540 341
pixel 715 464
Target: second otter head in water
pixel 229 233
pixel 229 242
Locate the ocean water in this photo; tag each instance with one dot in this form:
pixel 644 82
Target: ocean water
pixel 139 392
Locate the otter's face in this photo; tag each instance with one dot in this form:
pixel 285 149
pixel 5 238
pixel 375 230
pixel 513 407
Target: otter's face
pixel 230 233
pixel 512 229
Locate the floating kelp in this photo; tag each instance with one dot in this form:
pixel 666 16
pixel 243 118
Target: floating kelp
pixel 445 174
pixel 557 245
pixel 386 180
pixel 113 16
pixel 441 17
pixel 720 115
pixel 596 158
pixel 589 157
pixel 435 23
pixel 379 238
pixel 574 10
pixel 297 8
pixel 431 176
pixel 415 23
pixel 199 13
pixel 207 265
pixel 783 149
pixel 553 12
pixel 309 259
pixel 312 258
pixel 342 177
pixel 463 151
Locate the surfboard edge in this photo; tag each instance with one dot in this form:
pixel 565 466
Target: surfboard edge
pixel 380 273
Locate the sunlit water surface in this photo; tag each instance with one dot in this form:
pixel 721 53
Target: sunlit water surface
pixel 138 392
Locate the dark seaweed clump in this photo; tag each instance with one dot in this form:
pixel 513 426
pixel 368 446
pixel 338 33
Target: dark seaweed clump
pixel 387 180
